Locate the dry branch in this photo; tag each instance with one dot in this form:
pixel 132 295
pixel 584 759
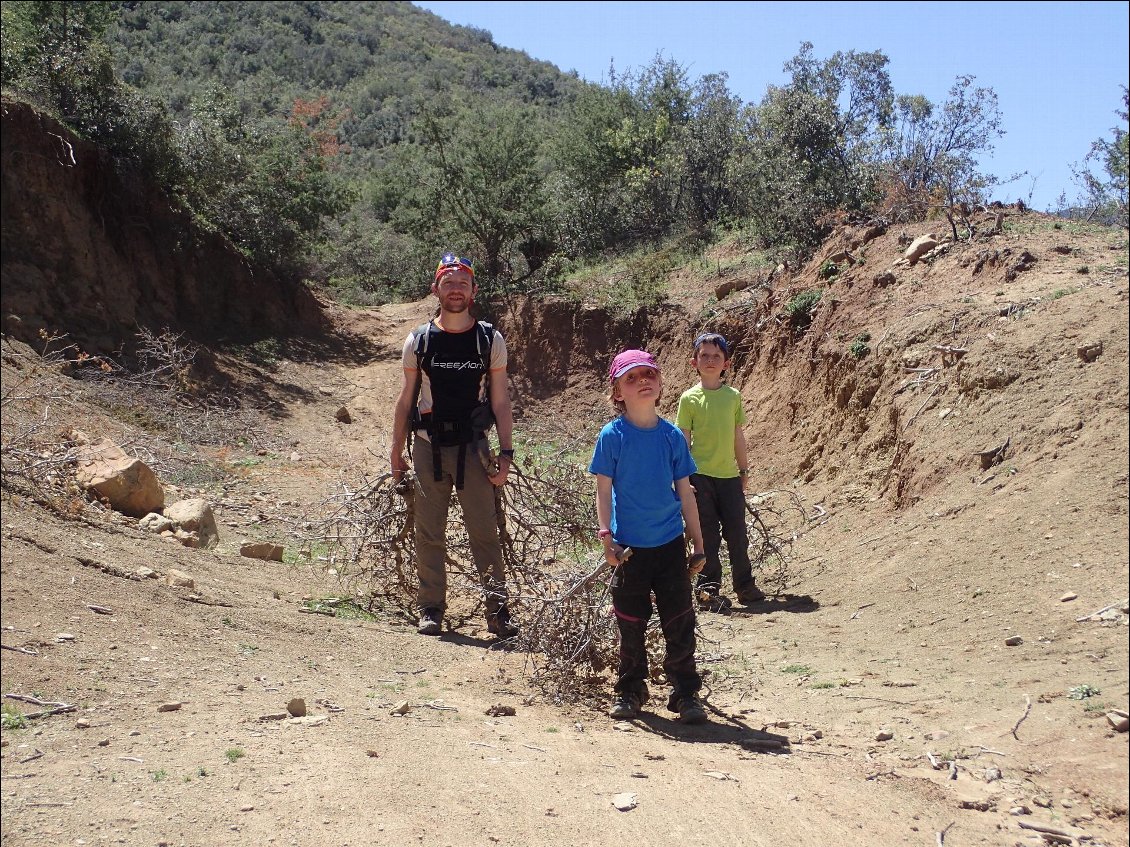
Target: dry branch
pixel 557 583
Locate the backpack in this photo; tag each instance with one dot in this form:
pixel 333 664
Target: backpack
pixel 447 427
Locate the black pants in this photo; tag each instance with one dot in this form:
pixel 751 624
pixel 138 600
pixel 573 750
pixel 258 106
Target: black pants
pixel 721 513
pixel 662 570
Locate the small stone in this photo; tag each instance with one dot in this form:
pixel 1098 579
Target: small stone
pixel 1013 641
pixel 64 638
pixel 401 708
pixel 1068 597
pixel 501 711
pixel 246 808
pixel 296 707
pixel 105 742
pixel 1119 723
pixel 169 707
pixel 992 774
pixel 1017 811
pixel 884 735
pixel 625 802
pixel 179 579
pixel 1042 802
pixel 82 723
pixel 342 415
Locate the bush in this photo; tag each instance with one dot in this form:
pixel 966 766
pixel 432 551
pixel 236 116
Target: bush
pixel 800 309
pixel 859 347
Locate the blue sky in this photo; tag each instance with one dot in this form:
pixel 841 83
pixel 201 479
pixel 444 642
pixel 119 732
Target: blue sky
pixel 1056 67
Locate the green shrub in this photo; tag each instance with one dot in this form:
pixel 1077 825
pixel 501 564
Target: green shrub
pixel 859 348
pixel 800 309
pixel 828 270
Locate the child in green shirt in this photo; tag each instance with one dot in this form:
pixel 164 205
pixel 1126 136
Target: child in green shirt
pixel 711 417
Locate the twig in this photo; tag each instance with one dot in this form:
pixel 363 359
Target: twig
pixel 1058 835
pixel 920 408
pixel 99 610
pixel 1077 620
pixel 32 757
pixel 940 836
pixel 860 609
pixel 1027 709
pixel 482 744
pixel 881 699
pixel 30 651
pixel 58 710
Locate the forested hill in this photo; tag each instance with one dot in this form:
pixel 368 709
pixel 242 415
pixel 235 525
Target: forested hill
pixel 376 62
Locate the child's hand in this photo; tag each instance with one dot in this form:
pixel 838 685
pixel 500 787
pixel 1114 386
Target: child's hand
pixel 614 554
pixel 696 563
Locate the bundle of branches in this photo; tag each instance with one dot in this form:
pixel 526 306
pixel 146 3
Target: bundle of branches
pixel 556 577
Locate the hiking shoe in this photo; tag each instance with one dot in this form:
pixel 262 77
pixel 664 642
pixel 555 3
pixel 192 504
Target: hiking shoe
pixel 430 621
pixel 711 601
pixel 749 594
pixel 499 624
pixel 690 709
pixel 625 707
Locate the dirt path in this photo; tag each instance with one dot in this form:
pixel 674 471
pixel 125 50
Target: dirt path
pixel 826 671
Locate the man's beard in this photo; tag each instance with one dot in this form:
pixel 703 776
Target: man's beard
pixel 456 305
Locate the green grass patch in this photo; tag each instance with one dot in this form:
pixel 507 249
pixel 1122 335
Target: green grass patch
pixel 12 718
pixel 233 755
pixel 797 669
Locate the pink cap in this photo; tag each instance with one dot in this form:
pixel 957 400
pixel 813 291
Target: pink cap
pixel 631 359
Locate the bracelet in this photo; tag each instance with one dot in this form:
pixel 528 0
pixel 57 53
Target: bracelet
pixel 509 454
pixel 604 533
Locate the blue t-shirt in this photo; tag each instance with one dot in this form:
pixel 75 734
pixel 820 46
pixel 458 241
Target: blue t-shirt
pixel 644 465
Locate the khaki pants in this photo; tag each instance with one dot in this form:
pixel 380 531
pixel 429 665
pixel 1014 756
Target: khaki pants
pixel 479 517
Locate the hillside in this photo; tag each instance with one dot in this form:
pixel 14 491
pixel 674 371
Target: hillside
pixel 913 680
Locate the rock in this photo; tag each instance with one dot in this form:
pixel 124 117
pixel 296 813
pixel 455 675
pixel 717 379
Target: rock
pixel 884 279
pixel 1013 641
pixel 992 774
pixel 401 708
pixel 1119 723
pixel 1069 596
pixel 195 516
pixel 156 523
pixel 275 716
pixel 343 416
pixel 1017 811
pixel 1042 802
pixel 1089 352
pixel 143 572
pixel 500 711
pixel 179 579
pixel 625 802
pixel 126 483
pixel 262 550
pixel 884 735
pixel 296 707
pixel 169 707
pixel 920 247
pixel 83 723
pixel 64 638
pixel 310 720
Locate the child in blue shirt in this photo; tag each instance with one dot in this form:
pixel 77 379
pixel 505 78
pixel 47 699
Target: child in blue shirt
pixel 643 465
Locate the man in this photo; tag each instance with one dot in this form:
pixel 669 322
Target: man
pixel 454 387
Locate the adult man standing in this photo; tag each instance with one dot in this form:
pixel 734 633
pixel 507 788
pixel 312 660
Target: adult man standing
pixel 454 388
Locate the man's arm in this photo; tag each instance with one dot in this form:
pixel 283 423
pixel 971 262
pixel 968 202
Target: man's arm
pixel 503 421
pixel 401 413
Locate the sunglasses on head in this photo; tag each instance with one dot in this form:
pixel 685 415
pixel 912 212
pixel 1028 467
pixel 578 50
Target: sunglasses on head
pixel 449 261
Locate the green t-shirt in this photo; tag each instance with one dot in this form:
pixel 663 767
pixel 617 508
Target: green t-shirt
pixel 711 417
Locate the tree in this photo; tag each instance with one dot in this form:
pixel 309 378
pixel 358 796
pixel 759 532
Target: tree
pixel 809 147
pixel 932 155
pixel 481 184
pixel 1106 195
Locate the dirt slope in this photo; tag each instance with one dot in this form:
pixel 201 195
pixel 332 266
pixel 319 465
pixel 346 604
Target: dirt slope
pixel 915 567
